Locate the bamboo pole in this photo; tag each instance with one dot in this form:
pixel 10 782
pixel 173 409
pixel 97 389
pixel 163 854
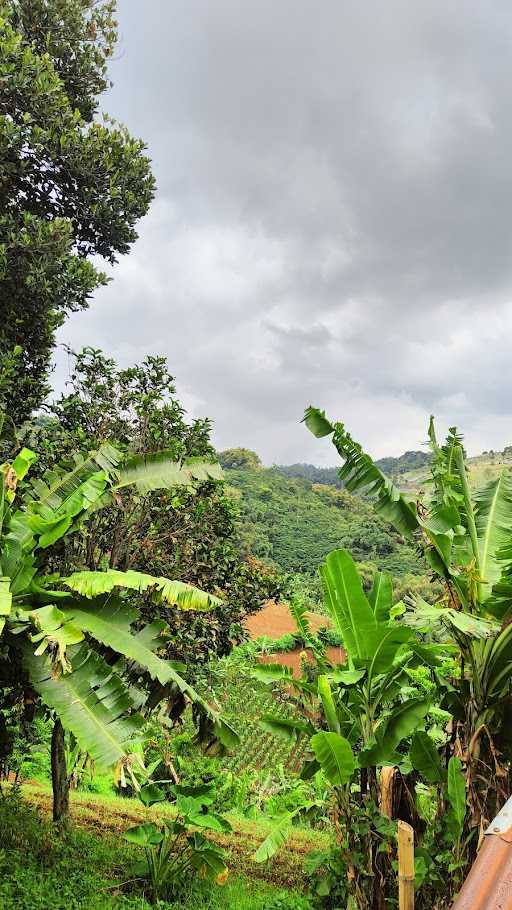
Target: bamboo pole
pixel 405 866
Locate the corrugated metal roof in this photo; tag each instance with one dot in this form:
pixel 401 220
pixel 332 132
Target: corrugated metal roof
pixel 489 883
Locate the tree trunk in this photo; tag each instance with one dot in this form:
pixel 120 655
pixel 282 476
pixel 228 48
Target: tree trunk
pixel 60 779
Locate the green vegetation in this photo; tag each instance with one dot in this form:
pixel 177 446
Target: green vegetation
pixel 39 869
pixel 394 467
pixel 183 766
pixel 73 187
pixel 293 523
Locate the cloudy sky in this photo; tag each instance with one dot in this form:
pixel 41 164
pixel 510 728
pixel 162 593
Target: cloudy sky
pixel 333 218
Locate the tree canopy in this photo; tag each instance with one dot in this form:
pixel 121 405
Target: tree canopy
pixel 71 187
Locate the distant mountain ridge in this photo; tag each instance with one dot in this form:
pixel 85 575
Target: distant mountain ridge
pixel 393 467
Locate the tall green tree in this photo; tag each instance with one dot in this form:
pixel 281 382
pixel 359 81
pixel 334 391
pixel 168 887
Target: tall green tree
pixel 189 534
pixel 72 187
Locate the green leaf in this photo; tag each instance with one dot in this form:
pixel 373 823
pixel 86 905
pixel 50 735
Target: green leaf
pixel 275 839
pixel 150 794
pixel 325 695
pixel 211 822
pixel 457 790
pixel 434 619
pixel 347 677
pixel 384 643
pixel 335 756
pixel 284 726
pixel 402 722
pixel 175 593
pixel 493 519
pixel 5 601
pixel 269 673
pixel 148 835
pixel 317 422
pixel 381 596
pixel 425 757
pixel 159 472
pixel 109 622
pixel 23 462
pixel 91 701
pixel 208 861
pixel 360 474
pixel 351 613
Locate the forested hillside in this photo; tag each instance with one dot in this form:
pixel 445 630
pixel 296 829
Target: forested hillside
pixel 294 523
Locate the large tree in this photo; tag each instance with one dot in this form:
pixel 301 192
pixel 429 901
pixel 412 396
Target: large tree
pixel 71 186
pixel 190 533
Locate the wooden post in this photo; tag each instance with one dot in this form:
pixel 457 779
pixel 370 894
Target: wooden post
pixel 405 866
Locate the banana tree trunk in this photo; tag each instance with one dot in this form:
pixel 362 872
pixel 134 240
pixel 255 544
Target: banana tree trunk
pixel 60 779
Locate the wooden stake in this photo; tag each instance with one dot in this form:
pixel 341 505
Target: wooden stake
pixel 405 866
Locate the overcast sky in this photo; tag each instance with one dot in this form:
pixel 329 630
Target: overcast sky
pixel 333 217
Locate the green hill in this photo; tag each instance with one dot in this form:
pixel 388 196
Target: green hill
pixel 394 467
pixel 293 523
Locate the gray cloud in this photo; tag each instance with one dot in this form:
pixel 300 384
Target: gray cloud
pixel 332 220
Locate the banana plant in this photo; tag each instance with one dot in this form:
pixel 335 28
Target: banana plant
pixel 466 536
pixel 356 717
pixel 71 638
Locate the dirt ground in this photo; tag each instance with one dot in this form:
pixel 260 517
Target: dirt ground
pixel 276 620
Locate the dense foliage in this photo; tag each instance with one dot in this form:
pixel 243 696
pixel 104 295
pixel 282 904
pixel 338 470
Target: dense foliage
pixel 71 187
pixel 188 533
pixel 294 523
pixel 49 620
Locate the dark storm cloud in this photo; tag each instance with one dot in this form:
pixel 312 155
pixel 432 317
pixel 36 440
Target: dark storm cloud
pixel 332 221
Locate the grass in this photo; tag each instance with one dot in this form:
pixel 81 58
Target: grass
pixel 90 868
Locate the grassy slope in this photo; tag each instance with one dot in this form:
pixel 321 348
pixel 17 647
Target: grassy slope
pixel 88 869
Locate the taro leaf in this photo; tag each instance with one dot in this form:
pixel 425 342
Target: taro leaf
pixel 150 794
pixel 147 835
pixel 211 822
pixel 205 793
pixel 208 862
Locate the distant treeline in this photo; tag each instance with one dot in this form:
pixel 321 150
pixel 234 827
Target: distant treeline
pixel 409 461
